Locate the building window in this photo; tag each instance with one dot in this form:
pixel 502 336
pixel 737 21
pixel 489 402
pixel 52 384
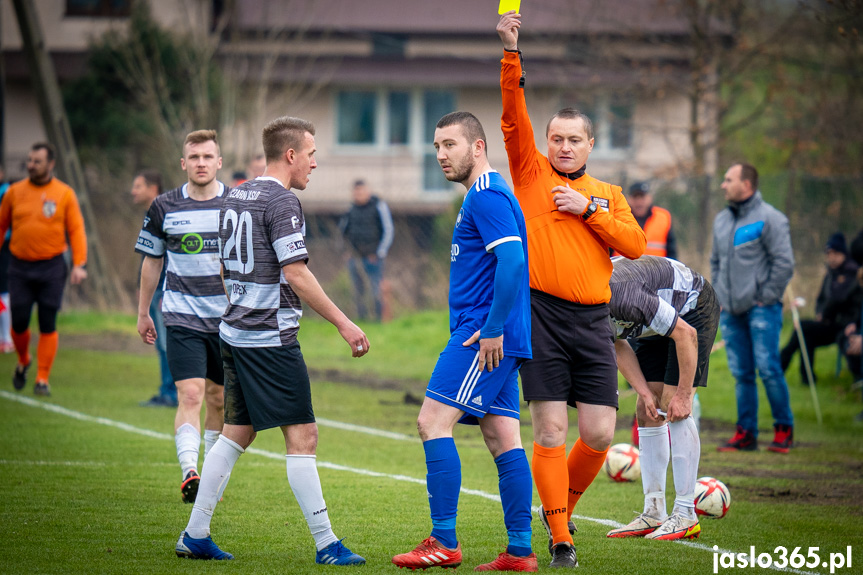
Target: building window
pixel 109 8
pixel 436 104
pixel 611 115
pixel 400 118
pixel 620 109
pixel 357 113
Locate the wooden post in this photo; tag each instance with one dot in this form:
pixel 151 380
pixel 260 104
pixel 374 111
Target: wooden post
pixel 44 78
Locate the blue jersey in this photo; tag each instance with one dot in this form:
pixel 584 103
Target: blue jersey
pixel 489 216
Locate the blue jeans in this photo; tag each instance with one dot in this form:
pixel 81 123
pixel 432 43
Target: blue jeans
pixel 167 387
pixel 375 272
pixel 752 342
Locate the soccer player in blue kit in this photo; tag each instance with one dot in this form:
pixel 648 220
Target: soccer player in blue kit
pixel 476 377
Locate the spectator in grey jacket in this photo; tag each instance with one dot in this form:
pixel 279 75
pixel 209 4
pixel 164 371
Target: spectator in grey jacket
pixel 751 264
pixel 368 229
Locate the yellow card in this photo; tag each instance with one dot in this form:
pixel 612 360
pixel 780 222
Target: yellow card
pixel 507 5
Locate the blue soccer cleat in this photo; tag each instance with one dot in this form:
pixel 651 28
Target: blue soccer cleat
pixel 338 554
pixel 199 548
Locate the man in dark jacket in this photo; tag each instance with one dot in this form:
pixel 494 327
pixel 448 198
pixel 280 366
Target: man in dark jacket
pixel 368 229
pixel 837 307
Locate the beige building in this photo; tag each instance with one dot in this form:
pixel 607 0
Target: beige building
pixel 375 76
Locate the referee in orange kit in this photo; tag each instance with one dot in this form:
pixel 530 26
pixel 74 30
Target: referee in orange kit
pixel 572 221
pixel 42 210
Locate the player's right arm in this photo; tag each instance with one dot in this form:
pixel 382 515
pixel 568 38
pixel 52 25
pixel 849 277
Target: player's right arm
pixel 627 364
pixel 151 269
pixel 306 286
pixel 686 342
pixel 515 121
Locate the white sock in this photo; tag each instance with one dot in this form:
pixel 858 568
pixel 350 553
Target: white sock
pixel 306 485
pixel 654 455
pixel 188 440
pixel 5 321
pixel 685 453
pixel 214 477
pixel 210 437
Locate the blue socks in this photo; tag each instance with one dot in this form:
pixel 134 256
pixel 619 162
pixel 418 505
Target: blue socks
pixel 516 491
pixel 443 482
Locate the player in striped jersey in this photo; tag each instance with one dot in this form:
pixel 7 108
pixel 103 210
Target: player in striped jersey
pixel 183 225
pixel 264 257
pixel 490 329
pixel 665 316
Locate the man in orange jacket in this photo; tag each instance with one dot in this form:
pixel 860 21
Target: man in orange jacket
pixel 655 221
pixel 572 222
pixel 42 210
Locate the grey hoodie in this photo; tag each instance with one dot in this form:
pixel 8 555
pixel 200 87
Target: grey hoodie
pixel 752 261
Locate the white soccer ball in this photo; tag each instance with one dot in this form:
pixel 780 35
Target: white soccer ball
pixel 622 463
pixel 712 498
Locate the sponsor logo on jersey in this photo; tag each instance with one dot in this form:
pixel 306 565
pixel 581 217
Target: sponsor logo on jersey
pixel 238 289
pixel 296 245
pixel 250 195
pixel 181 222
pixel 601 202
pixel 49 208
pixel 192 243
pixel 146 221
pixel 459 217
pixel 145 243
pixel 294 221
pixel 453 252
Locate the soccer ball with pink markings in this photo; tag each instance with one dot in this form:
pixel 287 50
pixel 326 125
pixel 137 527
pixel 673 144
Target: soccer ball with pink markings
pixel 712 498
pixel 622 463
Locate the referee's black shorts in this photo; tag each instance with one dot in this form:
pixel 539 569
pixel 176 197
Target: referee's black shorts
pixel 573 353
pixel 657 355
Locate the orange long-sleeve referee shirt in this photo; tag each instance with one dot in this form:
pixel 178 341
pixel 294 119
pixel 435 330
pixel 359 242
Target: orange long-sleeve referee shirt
pixel 40 218
pixel 568 256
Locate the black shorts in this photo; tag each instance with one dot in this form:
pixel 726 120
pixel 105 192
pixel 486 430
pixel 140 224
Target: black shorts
pixel 40 282
pixel 657 355
pixel 266 387
pixel 573 353
pixel 194 354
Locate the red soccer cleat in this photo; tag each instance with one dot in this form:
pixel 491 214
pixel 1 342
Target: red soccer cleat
pixel 507 562
pixel 429 553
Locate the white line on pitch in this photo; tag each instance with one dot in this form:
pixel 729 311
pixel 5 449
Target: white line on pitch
pixel 325 464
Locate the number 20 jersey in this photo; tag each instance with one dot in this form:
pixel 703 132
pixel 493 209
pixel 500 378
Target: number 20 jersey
pixel 261 229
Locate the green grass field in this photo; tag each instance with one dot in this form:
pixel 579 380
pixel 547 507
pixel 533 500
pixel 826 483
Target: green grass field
pixel 90 482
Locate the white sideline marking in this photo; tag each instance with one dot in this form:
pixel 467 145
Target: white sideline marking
pixel 58 463
pixel 367 430
pixel 335 466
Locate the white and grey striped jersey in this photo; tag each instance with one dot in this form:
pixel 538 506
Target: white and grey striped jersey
pixel 649 294
pixel 186 231
pixel 262 229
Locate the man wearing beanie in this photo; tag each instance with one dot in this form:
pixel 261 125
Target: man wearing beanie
pixel 837 306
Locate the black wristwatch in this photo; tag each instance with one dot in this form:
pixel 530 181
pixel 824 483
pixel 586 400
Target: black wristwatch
pixel 591 209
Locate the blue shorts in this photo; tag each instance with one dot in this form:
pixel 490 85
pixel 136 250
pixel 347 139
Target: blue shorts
pixel 457 382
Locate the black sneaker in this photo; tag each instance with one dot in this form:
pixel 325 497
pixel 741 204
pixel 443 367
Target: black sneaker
pixel 42 388
pixel 19 378
pixel 542 519
pixel 563 556
pixel 743 440
pixel 189 487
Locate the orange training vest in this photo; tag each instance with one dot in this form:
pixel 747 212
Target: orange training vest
pixel 656 229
